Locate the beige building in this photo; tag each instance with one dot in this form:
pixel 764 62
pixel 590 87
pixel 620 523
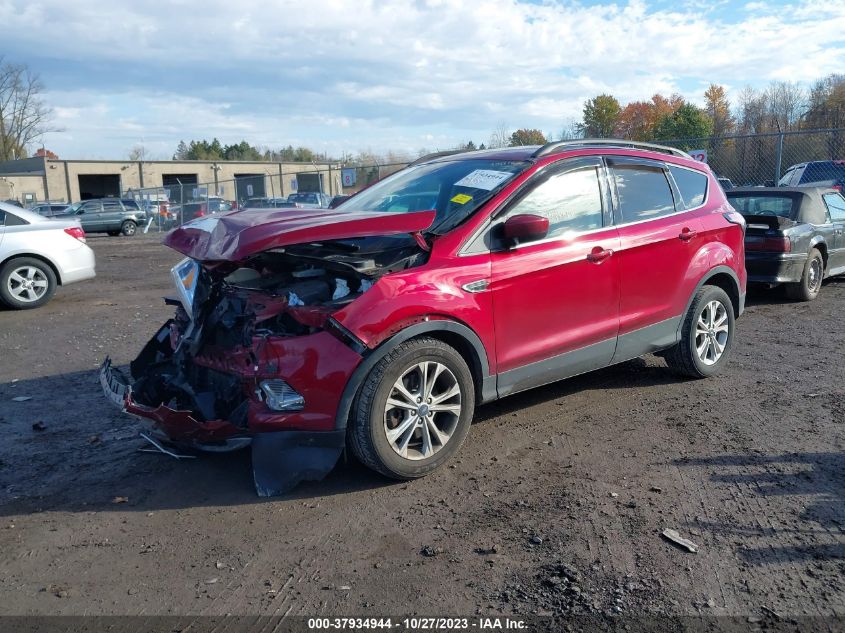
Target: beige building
pixel 39 179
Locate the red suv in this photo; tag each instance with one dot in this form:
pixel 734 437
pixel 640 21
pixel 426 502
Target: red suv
pixel 464 278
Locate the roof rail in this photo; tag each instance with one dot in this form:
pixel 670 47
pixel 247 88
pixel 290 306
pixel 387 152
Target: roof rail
pixel 551 148
pixel 433 155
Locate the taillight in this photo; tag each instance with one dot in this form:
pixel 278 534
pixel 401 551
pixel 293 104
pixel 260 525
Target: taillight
pixel 838 188
pixel 77 232
pixel 770 244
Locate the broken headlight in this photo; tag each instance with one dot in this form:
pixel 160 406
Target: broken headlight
pixel 280 396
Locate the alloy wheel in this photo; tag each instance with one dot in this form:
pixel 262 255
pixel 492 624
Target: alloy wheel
pixel 422 410
pixel 814 277
pixel 712 330
pixel 27 284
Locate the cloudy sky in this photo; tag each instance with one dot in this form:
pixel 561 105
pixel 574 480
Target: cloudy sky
pixel 350 75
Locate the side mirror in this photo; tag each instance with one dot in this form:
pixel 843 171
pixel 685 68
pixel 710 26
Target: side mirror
pixel 525 227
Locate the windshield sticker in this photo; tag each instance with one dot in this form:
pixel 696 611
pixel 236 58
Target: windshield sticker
pixel 461 198
pixel 486 179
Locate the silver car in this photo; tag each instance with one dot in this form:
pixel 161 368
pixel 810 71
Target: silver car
pixel 37 254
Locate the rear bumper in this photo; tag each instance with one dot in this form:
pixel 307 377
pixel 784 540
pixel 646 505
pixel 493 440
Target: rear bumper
pixel 77 264
pixel 775 268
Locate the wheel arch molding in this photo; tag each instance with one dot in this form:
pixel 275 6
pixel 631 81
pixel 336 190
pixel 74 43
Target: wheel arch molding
pixel 453 333
pixel 38 256
pixel 725 278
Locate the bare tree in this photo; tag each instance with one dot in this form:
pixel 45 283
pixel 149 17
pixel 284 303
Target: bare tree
pixel 23 115
pixel 501 136
pixel 138 152
pixel 786 103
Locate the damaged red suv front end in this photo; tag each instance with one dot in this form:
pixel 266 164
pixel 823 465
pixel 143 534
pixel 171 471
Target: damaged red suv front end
pixel 253 355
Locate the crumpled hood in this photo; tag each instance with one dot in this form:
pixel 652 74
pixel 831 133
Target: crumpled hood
pixel 235 236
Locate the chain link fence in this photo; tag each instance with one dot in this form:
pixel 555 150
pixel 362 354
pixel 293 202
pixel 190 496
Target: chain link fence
pixel 796 158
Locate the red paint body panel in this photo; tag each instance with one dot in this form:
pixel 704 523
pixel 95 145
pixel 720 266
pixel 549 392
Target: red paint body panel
pixel 549 299
pixel 654 265
pixel 235 236
pixel 318 366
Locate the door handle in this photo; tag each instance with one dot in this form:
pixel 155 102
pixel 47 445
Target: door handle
pixel 598 255
pixel 687 234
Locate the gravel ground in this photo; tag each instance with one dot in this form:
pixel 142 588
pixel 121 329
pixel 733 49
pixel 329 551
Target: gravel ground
pixel 555 505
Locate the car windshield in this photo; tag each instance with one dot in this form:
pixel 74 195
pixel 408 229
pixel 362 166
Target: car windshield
pixel 73 208
pixel 454 189
pixel 763 205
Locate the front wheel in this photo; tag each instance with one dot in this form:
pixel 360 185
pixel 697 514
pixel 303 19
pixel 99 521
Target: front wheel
pixel 414 409
pixel 26 283
pixel 811 279
pixel 706 337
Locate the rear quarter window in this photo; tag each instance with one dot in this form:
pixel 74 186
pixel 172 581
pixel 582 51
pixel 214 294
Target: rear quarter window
pixel 691 184
pixel 13 220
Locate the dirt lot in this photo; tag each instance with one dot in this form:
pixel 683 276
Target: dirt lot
pixel 555 504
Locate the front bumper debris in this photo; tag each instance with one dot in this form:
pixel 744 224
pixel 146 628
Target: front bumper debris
pixel 280 459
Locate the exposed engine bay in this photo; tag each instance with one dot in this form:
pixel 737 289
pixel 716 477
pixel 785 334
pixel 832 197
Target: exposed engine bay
pixel 223 335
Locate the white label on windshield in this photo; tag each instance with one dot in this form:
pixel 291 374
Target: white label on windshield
pixel 486 179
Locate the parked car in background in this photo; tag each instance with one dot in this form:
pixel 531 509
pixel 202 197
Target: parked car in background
pixel 817 173
pixel 338 200
pixel 114 216
pixel 37 255
pixel 269 203
pixel 310 200
pixel 49 209
pixel 456 281
pixel 795 236
pixel 725 183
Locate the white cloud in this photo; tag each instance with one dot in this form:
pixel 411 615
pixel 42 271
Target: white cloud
pixel 344 71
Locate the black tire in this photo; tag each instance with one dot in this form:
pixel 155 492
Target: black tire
pixel 114 233
pixel 684 358
pixel 37 271
pixel 368 427
pixel 811 279
pixel 128 228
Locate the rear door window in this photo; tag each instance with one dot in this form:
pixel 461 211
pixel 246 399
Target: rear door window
pixel 691 184
pixel 643 192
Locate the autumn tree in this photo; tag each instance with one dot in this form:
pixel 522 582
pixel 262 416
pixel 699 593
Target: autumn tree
pixel 524 136
pixel 24 116
pixel 601 115
pixel 718 108
pixel 46 153
pixel 826 103
pixel 636 121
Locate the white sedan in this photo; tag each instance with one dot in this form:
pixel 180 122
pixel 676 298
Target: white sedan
pixel 37 254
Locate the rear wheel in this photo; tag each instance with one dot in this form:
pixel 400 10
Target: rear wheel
pixel 26 283
pixel 811 279
pixel 128 228
pixel 414 409
pixel 706 337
